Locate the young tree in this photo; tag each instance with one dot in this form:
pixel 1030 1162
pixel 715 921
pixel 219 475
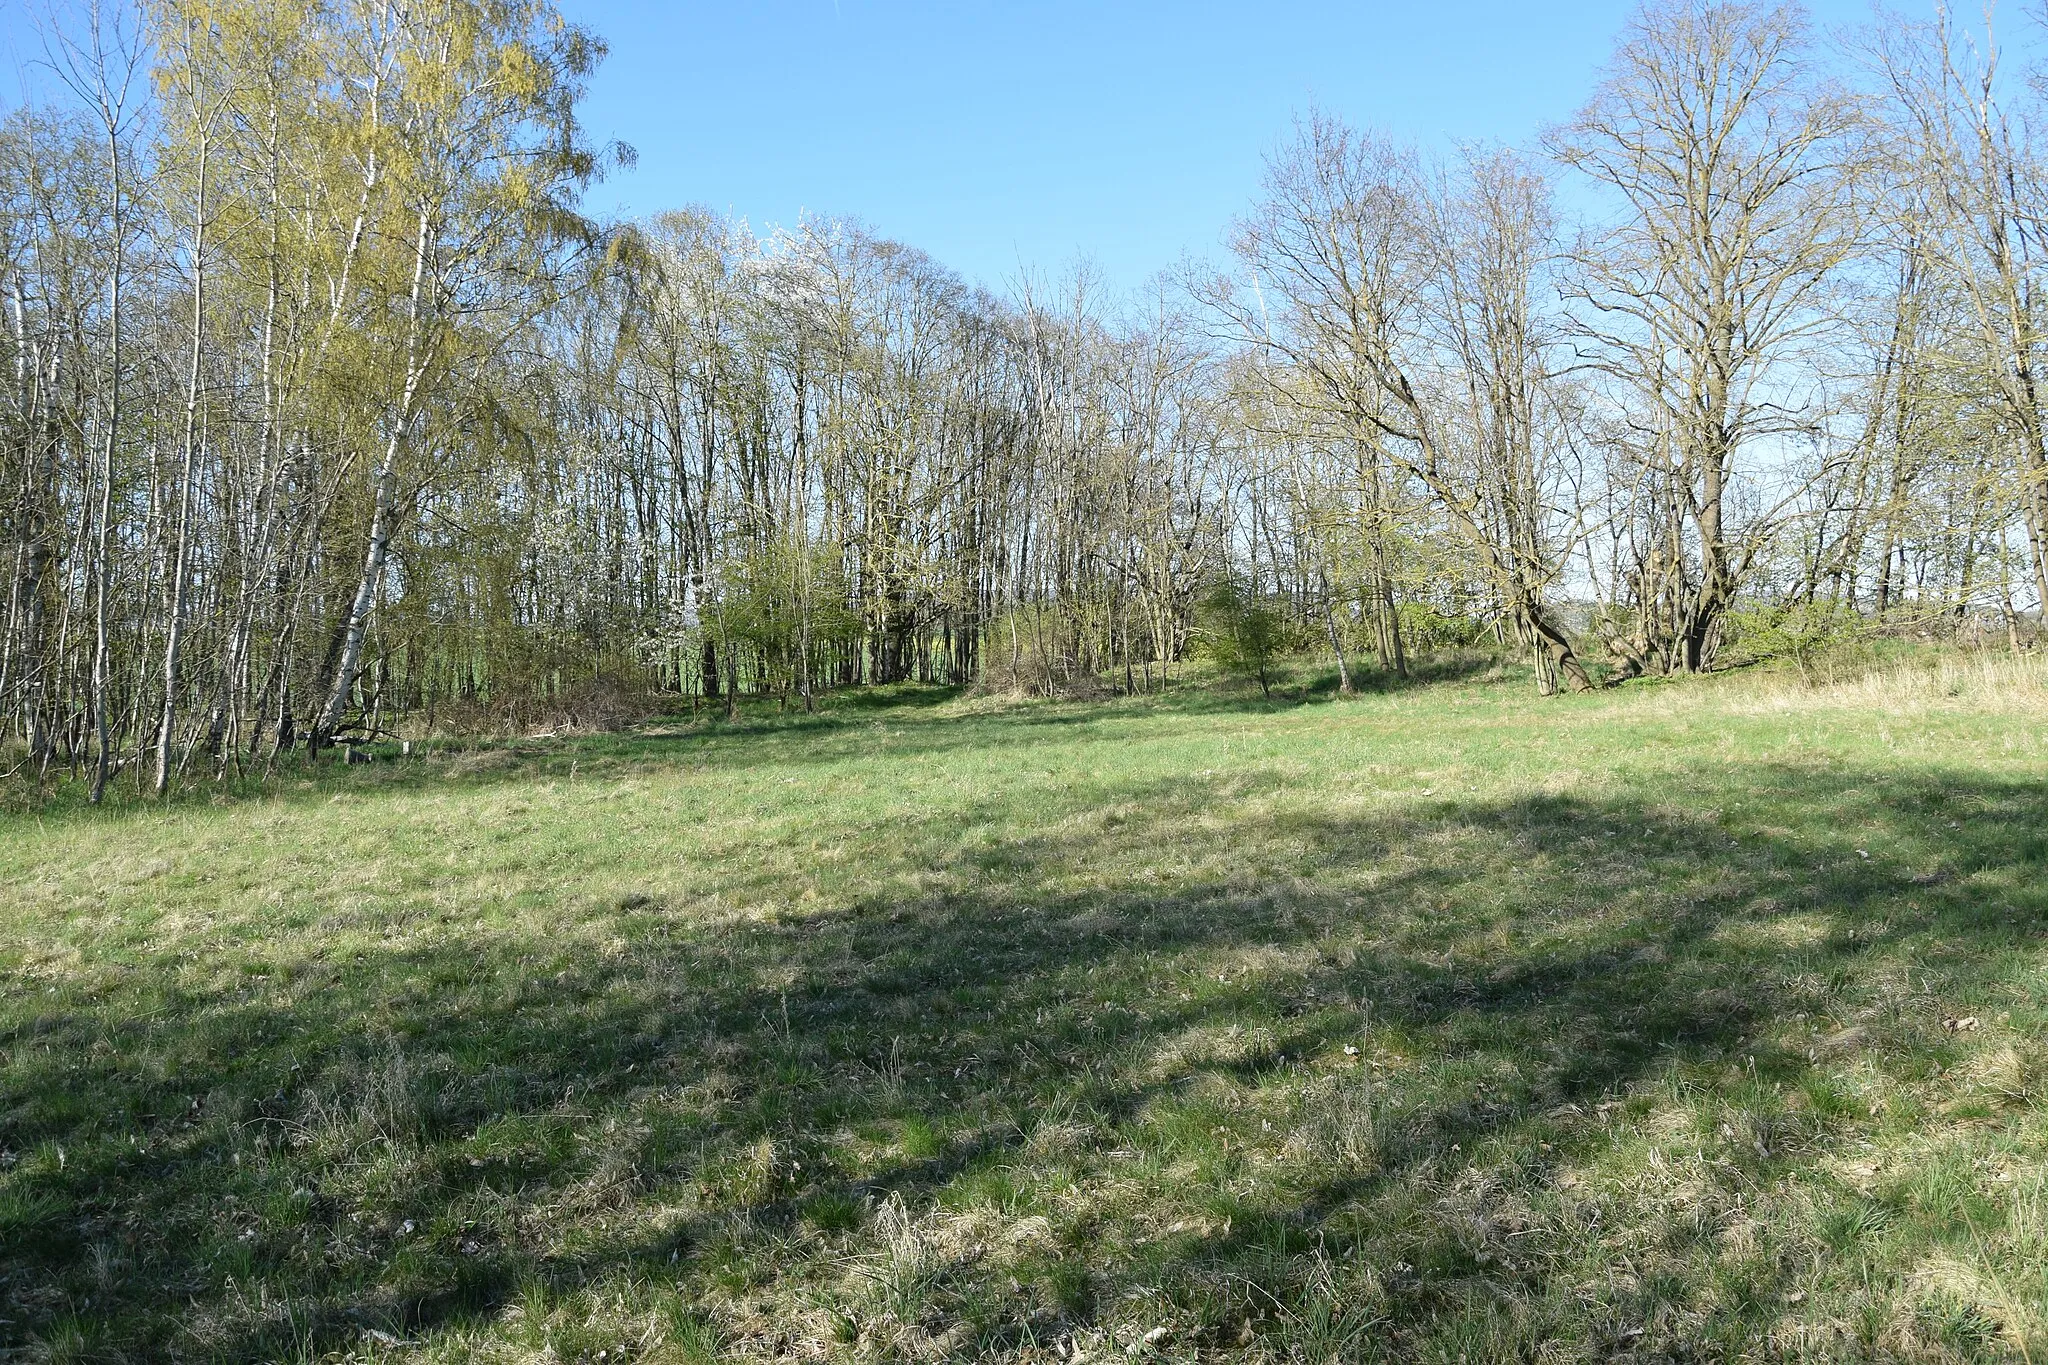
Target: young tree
pixel 103 68
pixel 193 75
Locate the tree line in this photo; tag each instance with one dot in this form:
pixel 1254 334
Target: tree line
pixel 328 411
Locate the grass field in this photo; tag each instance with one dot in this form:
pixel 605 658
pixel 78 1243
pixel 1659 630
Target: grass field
pixel 1690 1021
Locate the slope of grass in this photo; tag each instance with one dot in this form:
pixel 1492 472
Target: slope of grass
pixel 1692 1021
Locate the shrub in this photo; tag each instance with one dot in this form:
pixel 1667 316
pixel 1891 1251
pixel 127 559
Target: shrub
pixel 1804 632
pixel 1427 627
pixel 1243 632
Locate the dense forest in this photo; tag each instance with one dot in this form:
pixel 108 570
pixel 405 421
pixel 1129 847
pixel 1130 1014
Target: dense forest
pixel 328 412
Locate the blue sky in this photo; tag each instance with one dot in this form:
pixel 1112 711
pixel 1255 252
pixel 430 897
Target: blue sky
pixel 991 134
pixel 998 134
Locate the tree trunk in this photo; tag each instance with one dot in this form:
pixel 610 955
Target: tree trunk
pixel 383 513
pixel 174 633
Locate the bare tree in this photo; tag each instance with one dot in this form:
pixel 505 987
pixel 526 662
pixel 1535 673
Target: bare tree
pixel 103 69
pixel 1730 159
pixel 1402 318
pixel 1967 176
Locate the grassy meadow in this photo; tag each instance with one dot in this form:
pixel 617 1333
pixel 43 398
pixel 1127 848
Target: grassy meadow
pixel 1700 1020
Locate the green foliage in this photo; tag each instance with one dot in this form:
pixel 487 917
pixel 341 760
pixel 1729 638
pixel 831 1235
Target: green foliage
pixel 776 593
pixel 1426 627
pixel 1244 633
pixel 1807 633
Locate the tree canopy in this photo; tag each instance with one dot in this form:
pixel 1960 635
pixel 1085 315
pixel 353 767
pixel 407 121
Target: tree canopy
pixel 327 410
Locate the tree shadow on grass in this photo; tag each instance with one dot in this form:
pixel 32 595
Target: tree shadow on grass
pixel 405 1138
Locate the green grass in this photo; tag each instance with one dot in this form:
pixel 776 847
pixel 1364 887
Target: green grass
pixel 1686 1022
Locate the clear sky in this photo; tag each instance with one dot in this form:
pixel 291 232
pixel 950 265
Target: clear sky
pixel 991 132
pixel 998 132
